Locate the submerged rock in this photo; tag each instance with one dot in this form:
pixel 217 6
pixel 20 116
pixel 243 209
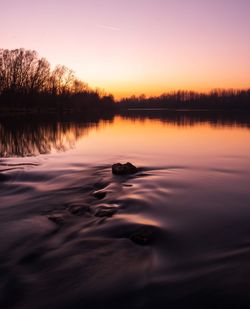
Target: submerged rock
pixel 124 169
pixel 144 236
pixel 78 210
pixel 57 218
pixel 105 212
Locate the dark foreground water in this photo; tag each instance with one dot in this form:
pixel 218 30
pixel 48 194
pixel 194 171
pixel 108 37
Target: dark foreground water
pixel 174 235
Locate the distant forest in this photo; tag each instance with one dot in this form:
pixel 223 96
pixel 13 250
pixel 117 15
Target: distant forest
pixel 29 84
pixel 189 100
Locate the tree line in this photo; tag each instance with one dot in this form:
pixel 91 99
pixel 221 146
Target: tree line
pixel 27 81
pixel 184 100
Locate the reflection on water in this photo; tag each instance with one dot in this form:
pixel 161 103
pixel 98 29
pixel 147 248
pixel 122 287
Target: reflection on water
pixel 27 136
pixel 191 118
pixel 176 234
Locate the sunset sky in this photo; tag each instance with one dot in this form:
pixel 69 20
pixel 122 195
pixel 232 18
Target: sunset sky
pixel 137 46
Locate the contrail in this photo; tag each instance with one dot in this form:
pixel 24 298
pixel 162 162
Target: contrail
pixel 109 27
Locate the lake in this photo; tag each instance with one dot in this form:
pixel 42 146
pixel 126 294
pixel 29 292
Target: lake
pixel 174 235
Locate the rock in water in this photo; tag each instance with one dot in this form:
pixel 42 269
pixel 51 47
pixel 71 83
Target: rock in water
pixel 57 218
pixel 144 236
pixel 105 211
pixel 3 177
pixel 78 209
pixel 124 169
pixel 99 194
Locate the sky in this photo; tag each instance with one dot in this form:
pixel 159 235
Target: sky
pixel 137 46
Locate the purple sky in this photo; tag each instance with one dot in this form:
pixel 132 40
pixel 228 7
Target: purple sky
pixel 135 46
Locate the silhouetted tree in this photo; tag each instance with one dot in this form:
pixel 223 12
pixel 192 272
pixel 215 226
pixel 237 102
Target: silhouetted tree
pixel 27 82
pixel 21 71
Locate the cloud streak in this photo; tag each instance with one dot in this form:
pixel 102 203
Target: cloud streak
pixel 107 27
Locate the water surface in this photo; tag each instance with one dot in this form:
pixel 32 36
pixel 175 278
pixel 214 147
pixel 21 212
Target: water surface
pixel 176 234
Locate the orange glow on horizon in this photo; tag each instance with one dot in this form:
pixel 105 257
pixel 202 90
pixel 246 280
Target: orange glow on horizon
pixel 137 47
pixel 126 91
